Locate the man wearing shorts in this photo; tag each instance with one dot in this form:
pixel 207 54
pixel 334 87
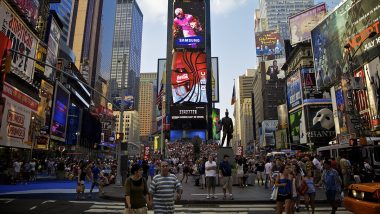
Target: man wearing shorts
pixel 210 167
pixel 225 175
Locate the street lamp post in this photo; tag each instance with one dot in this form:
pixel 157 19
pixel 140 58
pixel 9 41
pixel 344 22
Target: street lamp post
pixel 33 135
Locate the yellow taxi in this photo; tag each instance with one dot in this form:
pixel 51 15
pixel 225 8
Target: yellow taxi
pixel 363 198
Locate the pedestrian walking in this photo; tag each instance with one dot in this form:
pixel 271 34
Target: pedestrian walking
pixel 95 171
pixel 225 175
pixel 268 170
pixel 164 189
pixel 136 192
pixel 332 182
pixel 80 184
pixel 284 195
pixel 260 172
pixel 308 191
pixel 210 172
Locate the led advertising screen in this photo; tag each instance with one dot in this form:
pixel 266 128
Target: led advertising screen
pixel 282 112
pixel 179 134
pixel 29 8
pixel 269 43
pixel 189 25
pixel 321 126
pixel 267 137
pixel 273 69
pixel 188 112
pixel 297 127
pixel 53 43
pixel 361 100
pixel 216 126
pixel 60 113
pixel 293 89
pixel 215 79
pixel 189 77
pixel 350 26
pixel 46 102
pixel 301 24
pixel 341 109
pixel 372 74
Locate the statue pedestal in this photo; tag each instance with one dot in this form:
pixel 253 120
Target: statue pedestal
pixel 226 151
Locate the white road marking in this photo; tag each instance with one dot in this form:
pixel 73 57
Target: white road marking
pixel 48 201
pixel 32 208
pixel 43 191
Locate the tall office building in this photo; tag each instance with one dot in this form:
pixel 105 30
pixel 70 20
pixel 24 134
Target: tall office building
pixel 276 13
pixel 147 105
pixel 63 10
pixel 126 51
pixel 331 4
pixel 84 37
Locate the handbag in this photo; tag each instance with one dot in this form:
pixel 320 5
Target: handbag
pixel 274 193
pixel 303 188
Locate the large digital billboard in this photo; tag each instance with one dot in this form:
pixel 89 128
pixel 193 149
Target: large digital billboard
pixel 269 43
pixel 215 79
pixel 361 100
pixel 273 69
pixel 321 126
pixel 188 112
pixel 29 9
pixel 189 77
pixel 293 88
pixel 189 25
pixel 161 74
pixel 216 124
pixel 282 112
pixel 308 83
pixel 53 43
pixel 372 73
pixel 60 113
pixel 23 41
pixel 180 134
pixel 46 102
pixel 301 24
pixel 349 25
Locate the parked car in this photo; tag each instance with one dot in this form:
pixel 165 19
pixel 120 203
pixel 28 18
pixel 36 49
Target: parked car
pixel 363 198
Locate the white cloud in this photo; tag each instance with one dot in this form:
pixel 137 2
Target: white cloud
pixel 154 11
pixel 224 7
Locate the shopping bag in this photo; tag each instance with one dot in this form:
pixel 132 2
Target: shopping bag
pixel 274 193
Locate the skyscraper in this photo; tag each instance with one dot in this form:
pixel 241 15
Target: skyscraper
pixel 331 4
pixel 63 10
pixel 147 102
pixel 84 37
pixel 276 13
pixel 126 51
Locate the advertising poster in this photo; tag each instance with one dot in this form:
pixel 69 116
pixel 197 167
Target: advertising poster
pixel 60 113
pixel 29 8
pixel 293 89
pixel 268 129
pixel 189 25
pixel 46 102
pixel 41 52
pixel 273 69
pixel 16 110
pixel 161 77
pixel 73 126
pixel 215 79
pixel 53 47
pixel 216 126
pixel 190 134
pixel 301 24
pixel 281 139
pixel 298 127
pixel 308 83
pixel 321 127
pixel 361 100
pixel 269 43
pixel 188 112
pixel 341 109
pixel 372 74
pixel 189 77
pixel 350 25
pixel 282 112
pixel 23 41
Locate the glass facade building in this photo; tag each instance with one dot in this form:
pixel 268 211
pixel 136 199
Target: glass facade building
pixel 63 10
pixel 276 12
pixel 126 51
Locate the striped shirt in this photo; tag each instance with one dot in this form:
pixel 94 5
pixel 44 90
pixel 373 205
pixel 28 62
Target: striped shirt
pixel 163 189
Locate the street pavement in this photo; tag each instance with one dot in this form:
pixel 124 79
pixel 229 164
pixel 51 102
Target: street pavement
pixel 195 195
pixel 48 195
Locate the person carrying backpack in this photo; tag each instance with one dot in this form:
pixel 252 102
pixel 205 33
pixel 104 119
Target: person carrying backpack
pixel 332 183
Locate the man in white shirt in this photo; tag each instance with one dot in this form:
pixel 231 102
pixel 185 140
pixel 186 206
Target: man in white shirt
pixel 16 169
pixel 268 169
pixel 210 171
pixel 317 169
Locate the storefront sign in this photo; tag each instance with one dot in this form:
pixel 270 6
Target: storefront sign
pixel 23 41
pixel 16 117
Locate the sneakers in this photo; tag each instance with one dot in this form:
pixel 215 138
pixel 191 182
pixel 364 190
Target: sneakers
pixel 208 196
pixel 231 197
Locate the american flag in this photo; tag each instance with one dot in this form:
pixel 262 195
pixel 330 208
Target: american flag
pixel 160 96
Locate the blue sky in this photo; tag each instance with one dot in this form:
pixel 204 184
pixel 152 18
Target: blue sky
pixel 232 39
